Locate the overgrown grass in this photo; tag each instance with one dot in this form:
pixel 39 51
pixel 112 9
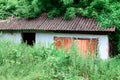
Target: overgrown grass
pixel 22 62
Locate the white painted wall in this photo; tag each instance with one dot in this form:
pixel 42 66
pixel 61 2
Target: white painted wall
pixel 104 47
pixel 48 38
pixel 11 37
pixel 103 42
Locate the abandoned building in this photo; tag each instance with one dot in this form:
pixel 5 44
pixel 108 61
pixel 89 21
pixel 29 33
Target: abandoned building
pixel 81 30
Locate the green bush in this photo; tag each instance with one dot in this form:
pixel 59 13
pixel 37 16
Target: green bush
pixel 23 62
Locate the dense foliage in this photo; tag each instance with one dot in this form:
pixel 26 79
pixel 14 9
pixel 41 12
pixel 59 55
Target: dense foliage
pixel 105 11
pixel 22 62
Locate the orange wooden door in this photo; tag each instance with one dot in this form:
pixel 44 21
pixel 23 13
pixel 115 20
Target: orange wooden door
pixel 61 42
pixel 85 46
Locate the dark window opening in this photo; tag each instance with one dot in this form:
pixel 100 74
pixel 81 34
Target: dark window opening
pixel 28 38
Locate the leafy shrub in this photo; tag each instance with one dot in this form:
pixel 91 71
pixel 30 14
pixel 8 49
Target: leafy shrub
pixel 70 13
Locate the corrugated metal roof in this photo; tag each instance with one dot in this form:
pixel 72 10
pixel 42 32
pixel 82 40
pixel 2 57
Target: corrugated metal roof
pixel 79 23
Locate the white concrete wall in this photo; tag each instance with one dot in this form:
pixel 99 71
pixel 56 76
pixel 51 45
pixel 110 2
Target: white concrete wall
pixel 104 47
pixel 11 37
pixel 103 42
pixel 48 38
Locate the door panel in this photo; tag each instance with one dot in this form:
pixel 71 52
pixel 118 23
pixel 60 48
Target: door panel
pixel 63 42
pixel 85 46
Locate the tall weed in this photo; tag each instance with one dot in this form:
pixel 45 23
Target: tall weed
pixel 23 62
